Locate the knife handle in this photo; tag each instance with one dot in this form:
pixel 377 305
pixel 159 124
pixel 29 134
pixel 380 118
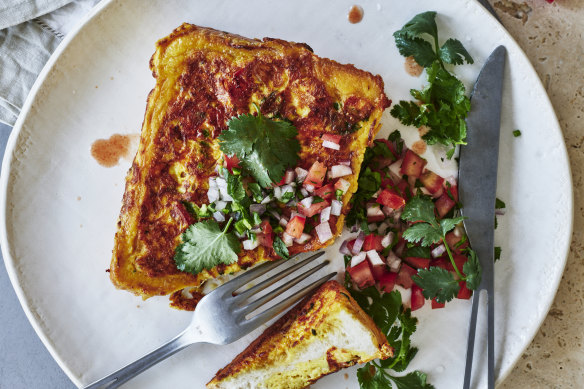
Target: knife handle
pixel 490 339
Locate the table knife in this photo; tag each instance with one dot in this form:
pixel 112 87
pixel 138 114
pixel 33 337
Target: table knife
pixel 477 188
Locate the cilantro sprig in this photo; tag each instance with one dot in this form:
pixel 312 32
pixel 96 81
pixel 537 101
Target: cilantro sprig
pixel 398 325
pixel 442 105
pixel 437 282
pixel 204 245
pixel 265 147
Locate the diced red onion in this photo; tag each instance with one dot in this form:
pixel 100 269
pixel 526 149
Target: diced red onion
pixel 309 187
pixel 395 168
pixel 256 230
pixel 275 214
pixel 343 185
pixel 425 191
pixel 294 214
pixel 391 258
pixel 307 202
pixel 357 259
pixel 372 227
pixel 266 199
pixel 242 235
pixel 325 215
pixel 346 163
pixel 457 231
pixel 331 145
pixel 387 239
pixel 283 221
pixel 374 258
pixel 451 180
pixel 500 211
pixel 212 182
pixel 257 208
pixel 300 174
pixel 341 171
pixel 289 176
pixel 220 205
pixel 382 228
pixel 374 210
pixel 394 267
pixel 287 239
pixel 376 194
pixel 278 192
pixel 213 194
pixel 412 183
pixel 303 238
pixel 405 293
pixel 397 216
pixel 336 207
pixel 344 249
pixel 219 216
pixel 323 230
pixel 358 243
pixel 438 251
pixel 354 228
pixel 250 244
pixel 387 211
pixel 304 192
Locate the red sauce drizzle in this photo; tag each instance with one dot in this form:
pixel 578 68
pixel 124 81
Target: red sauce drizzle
pixel 355 14
pixel 107 152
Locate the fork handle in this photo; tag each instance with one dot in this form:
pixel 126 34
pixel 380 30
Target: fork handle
pixel 128 372
pixel 490 340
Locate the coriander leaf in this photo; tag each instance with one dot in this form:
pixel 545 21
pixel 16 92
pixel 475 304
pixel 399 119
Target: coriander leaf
pixel 472 271
pixel 423 233
pixel 265 147
pixel 280 248
pixel 449 224
pixel 419 208
pixel 423 23
pixel 437 282
pixel 499 204
pixel 453 52
pixel 413 380
pixel 256 191
pixel 497 253
pixel 236 190
pixel 196 211
pixel 418 251
pixel 370 377
pixel 408 112
pixel 204 245
pixel 420 49
pixel 516 133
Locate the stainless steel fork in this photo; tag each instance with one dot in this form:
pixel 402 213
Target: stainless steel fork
pixel 221 316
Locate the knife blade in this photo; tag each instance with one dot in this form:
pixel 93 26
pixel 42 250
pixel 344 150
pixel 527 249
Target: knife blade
pixel 477 191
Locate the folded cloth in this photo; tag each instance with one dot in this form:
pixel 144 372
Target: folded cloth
pixel 26 47
pixel 13 12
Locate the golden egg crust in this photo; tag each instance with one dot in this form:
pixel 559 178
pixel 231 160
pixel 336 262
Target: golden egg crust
pixel 204 77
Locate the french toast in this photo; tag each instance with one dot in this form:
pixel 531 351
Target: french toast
pixel 324 333
pixel 204 77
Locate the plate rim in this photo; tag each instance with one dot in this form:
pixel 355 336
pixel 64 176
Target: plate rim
pixel 12 142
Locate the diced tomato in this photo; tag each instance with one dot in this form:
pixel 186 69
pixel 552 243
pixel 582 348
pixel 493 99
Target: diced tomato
pixel 181 212
pixel 316 175
pixel 431 181
pixel 453 242
pixel 404 188
pixel 335 138
pixel 459 260
pixel 313 209
pixel 442 262
pixel 350 244
pixel 379 271
pixel 436 304
pixel 400 247
pixel 361 275
pixel 326 192
pixel 372 242
pixel 342 185
pixel 374 213
pixel 412 165
pixel 231 162
pixel 390 199
pixel 266 227
pixel 418 299
pixel 404 277
pixel 266 240
pixel 464 293
pixel 453 190
pixel 387 282
pixel 417 262
pixel 444 204
pixel 295 226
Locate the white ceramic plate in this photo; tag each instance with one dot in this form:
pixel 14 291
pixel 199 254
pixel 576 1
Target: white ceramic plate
pixel 60 207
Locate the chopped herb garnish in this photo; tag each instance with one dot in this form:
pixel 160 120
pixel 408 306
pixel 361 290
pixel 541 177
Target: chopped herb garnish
pixel 280 248
pixel 516 133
